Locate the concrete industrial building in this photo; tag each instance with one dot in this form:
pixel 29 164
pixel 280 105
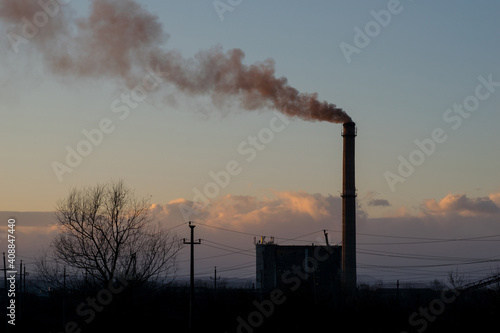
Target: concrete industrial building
pixel 314 268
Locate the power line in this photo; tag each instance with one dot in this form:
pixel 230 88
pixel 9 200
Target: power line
pixel 433 265
pixel 242 252
pixel 296 238
pixel 258 235
pixel 232 247
pixel 228 230
pixel 404 269
pixel 427 240
pixel 176 226
pixel 412 256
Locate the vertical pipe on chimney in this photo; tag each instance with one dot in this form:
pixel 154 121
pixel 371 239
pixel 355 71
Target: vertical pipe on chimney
pixel 349 211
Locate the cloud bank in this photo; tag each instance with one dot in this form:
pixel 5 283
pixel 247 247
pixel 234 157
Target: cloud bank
pixel 283 212
pixel 460 204
pixel 298 217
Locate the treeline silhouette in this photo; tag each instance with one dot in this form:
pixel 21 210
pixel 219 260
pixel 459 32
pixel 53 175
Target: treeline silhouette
pixel 153 307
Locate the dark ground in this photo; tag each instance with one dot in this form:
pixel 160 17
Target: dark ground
pixel 147 309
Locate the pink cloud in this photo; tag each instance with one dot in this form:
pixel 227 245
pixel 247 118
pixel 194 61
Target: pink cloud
pixel 495 197
pixel 460 204
pixel 288 211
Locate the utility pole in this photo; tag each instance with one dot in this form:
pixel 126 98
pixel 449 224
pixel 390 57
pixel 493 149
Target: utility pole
pixel 215 278
pixel 64 298
pixel 24 279
pixel 191 287
pixel 21 300
pixel 397 291
pixel 21 277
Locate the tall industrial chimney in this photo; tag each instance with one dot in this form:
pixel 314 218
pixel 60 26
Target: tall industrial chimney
pixel 349 211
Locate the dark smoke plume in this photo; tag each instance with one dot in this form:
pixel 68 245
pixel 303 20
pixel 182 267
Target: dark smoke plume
pixel 119 39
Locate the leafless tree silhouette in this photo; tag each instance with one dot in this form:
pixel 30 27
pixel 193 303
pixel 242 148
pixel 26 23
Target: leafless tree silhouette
pixel 107 233
pixel 456 280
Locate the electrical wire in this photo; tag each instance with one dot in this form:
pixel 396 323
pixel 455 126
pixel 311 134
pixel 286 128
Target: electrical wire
pixel 228 230
pixel 407 271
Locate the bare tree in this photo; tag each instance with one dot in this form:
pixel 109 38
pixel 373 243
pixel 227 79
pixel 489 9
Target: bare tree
pixel 456 280
pixel 106 233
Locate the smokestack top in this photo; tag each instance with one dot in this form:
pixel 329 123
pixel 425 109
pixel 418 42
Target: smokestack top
pixel 349 129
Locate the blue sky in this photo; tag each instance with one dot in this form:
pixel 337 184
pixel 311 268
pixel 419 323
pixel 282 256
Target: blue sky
pixel 397 89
